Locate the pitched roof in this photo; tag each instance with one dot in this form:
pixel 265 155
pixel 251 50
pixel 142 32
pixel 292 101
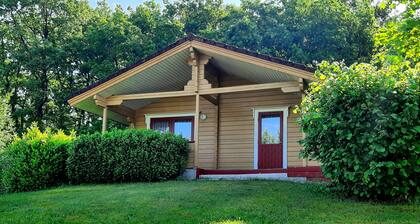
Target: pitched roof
pixel 192 37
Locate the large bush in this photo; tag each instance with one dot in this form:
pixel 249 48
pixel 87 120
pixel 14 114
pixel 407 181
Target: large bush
pixel 127 156
pixel 363 125
pixel 35 161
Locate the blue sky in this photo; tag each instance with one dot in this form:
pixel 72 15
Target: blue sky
pixel 134 3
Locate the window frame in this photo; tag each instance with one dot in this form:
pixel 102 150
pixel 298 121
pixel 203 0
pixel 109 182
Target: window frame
pixel 171 123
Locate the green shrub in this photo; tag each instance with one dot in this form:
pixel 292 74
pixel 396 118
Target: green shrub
pixel 363 125
pixel 35 161
pixel 2 165
pixel 127 156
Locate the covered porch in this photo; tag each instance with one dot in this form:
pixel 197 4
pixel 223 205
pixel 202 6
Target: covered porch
pixel 216 96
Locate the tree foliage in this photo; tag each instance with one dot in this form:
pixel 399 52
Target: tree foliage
pixel 398 40
pixel 49 49
pixel 363 122
pixel 6 125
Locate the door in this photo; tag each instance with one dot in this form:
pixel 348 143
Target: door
pixel 270 140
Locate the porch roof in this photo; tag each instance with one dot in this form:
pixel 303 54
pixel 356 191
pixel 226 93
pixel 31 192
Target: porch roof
pixel 168 70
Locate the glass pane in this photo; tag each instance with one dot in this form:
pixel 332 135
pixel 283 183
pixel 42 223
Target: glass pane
pixel 183 128
pixel 270 129
pixel 162 126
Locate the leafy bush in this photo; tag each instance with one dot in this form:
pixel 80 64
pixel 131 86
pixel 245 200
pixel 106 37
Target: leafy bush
pixel 35 161
pixel 363 125
pixel 127 156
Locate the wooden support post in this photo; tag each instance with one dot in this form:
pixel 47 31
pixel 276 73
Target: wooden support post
pixel 130 123
pixel 104 119
pixel 196 130
pixel 216 153
pixel 218 81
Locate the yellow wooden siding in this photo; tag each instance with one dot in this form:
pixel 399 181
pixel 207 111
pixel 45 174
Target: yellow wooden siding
pixel 236 127
pixel 236 141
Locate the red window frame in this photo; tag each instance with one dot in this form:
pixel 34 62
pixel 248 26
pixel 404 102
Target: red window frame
pixel 171 123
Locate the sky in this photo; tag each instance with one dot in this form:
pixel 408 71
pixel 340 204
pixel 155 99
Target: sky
pixel 134 3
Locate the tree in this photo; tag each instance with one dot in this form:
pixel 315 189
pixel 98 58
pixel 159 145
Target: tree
pixel 301 31
pixel 6 125
pixel 196 15
pixel 398 40
pixel 158 27
pixel 36 64
pixel 51 48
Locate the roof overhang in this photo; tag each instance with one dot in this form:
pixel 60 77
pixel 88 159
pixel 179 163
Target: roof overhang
pixel 168 70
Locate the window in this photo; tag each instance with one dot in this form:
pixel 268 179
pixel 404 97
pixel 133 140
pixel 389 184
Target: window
pixel 183 126
pixel 270 128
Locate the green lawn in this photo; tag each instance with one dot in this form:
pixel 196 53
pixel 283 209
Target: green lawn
pixel 197 202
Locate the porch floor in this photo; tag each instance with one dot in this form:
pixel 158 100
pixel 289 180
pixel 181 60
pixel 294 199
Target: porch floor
pixel 256 176
pixel 307 172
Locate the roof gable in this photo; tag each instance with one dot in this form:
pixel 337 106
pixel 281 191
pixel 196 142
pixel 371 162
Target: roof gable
pixel 201 43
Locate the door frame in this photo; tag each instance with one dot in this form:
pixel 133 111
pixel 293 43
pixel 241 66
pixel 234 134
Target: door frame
pixel 256 112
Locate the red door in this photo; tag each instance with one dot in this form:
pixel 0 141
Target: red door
pixel 270 140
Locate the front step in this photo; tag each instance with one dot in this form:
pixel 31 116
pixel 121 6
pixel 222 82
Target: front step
pixel 260 176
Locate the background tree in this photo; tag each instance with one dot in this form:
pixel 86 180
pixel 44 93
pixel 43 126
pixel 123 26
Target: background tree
pixel 159 27
pixel 34 47
pixel 6 124
pixel 196 15
pixel 51 48
pixel 398 40
pixel 301 31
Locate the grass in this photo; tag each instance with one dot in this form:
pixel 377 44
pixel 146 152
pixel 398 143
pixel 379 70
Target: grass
pixel 226 202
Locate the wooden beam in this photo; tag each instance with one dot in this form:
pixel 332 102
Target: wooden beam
pixel 243 88
pixel 301 84
pixel 117 99
pixel 290 89
pixel 197 62
pixel 99 100
pixel 211 99
pixel 104 119
pixel 193 59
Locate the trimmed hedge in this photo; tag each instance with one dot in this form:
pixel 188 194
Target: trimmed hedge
pixel 35 161
pixel 363 125
pixel 127 156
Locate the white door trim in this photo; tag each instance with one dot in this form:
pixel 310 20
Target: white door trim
pixel 285 111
